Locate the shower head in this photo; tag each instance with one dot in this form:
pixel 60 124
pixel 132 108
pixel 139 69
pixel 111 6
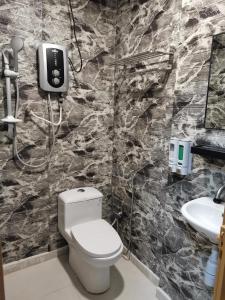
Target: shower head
pixel 17 45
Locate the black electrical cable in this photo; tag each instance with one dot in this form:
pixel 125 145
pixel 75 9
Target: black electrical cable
pixel 75 36
pixel 72 68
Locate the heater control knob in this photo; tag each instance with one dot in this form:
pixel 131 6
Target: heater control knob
pixel 56 81
pixel 55 73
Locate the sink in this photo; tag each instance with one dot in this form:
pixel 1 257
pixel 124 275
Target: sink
pixel 204 216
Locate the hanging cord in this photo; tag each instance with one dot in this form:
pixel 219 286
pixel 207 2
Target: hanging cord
pixel 127 253
pixel 47 121
pixel 73 69
pixel 71 64
pixel 15 149
pixel 75 36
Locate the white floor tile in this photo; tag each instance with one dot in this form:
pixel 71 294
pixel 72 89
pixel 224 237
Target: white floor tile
pixel 67 293
pixel 54 279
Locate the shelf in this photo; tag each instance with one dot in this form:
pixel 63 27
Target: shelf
pixel 210 151
pixel 155 57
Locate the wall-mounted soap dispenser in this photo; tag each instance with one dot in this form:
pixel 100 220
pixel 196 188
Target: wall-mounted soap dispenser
pixel 184 160
pixel 180 157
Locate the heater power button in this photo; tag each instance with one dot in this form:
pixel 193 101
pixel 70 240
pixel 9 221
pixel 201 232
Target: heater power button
pixel 56 81
pixel 56 73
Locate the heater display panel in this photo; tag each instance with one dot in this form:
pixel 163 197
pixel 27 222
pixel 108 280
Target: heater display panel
pixel 55 67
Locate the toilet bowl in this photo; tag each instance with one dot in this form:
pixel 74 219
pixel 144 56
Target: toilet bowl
pixel 94 245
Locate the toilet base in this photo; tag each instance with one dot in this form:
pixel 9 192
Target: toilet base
pixel 95 280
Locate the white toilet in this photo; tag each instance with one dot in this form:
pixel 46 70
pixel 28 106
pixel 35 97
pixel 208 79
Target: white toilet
pixel 94 245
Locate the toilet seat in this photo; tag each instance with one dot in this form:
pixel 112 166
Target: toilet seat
pixel 96 238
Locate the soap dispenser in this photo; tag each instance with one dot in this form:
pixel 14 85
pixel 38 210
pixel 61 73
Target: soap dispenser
pixel 184 161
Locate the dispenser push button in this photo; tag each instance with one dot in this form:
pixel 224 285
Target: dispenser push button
pixel 55 73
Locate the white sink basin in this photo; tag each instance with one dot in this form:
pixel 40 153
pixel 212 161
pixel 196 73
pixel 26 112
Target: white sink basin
pixel 204 216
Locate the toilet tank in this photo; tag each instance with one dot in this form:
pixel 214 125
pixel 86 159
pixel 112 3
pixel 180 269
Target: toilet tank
pixel 78 206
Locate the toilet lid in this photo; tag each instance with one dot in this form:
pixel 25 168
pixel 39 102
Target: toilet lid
pixel 97 238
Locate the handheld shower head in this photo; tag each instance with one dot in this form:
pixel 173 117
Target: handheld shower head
pixel 17 45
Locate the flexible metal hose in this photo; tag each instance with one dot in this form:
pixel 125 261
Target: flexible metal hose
pixel 15 149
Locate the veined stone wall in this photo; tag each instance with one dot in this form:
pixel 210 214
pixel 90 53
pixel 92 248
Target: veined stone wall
pixel 169 102
pixel 83 150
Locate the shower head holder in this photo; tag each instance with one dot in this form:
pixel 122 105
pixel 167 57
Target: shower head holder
pixel 10 73
pixel 10 119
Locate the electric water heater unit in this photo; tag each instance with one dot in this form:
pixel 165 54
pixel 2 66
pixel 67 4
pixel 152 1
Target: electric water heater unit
pixel 53 68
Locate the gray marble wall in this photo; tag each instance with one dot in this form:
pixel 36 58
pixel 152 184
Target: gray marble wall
pixel 83 150
pixel 162 52
pixel 144 80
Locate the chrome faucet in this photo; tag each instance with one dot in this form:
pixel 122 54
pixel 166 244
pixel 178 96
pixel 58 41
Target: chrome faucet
pixel 217 198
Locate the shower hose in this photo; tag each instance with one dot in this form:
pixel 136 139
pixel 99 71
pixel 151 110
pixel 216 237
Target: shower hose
pixel 51 122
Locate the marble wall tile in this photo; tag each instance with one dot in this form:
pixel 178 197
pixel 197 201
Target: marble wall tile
pixel 144 124
pixel 118 117
pixel 24 209
pixel 83 150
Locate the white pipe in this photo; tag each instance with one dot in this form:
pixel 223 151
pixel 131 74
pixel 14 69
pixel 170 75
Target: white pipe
pixel 47 121
pixel 8 74
pixel 8 95
pixel 15 149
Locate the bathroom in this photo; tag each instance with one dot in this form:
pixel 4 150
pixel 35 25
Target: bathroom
pixel 144 80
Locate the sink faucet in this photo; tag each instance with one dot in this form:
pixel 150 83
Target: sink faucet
pixel 217 198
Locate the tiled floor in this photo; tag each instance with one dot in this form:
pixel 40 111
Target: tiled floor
pixel 54 280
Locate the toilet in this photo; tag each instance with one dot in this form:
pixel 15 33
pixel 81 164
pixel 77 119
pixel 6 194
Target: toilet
pixel 94 245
